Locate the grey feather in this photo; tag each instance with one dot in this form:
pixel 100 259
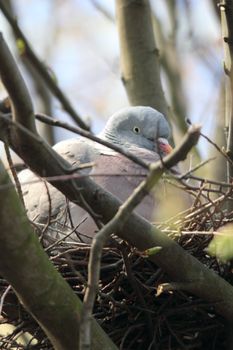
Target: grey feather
pixel 134 128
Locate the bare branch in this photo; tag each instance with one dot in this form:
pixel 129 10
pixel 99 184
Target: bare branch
pixel 138 232
pixel 55 122
pixel 40 85
pixel 3 298
pixel 139 55
pixel 226 11
pixel 177 263
pixel 170 63
pixel 43 302
pixel 118 222
pixel 37 283
pixel 102 10
pixel 13 82
pixel 13 172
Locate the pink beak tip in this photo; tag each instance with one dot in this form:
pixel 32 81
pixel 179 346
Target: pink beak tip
pixel 165 147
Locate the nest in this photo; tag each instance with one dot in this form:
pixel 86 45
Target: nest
pixel 128 306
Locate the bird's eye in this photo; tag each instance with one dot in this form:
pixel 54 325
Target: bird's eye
pixel 136 129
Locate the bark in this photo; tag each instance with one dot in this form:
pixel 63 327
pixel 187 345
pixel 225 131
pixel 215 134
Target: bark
pixel 139 55
pixel 226 8
pixel 40 86
pixel 38 285
pixel 36 282
pixel 171 65
pixel 226 11
pixel 181 267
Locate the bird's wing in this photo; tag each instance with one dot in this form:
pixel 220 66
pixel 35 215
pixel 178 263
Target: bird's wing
pixel 77 151
pixel 43 201
pixel 114 172
pixel 120 176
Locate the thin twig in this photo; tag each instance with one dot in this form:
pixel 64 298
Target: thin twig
pixel 13 172
pixel 224 154
pixel 6 118
pixel 61 240
pixel 51 121
pixel 103 10
pixel 3 298
pixel 195 168
pixel 70 177
pixel 49 211
pixel 136 287
pixel 34 137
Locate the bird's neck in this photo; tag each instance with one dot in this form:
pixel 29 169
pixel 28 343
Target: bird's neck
pixel 108 136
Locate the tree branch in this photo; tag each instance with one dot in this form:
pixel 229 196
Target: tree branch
pixel 226 11
pixel 10 76
pixel 117 223
pixel 179 265
pixel 23 134
pixel 139 55
pixel 170 62
pixel 41 289
pixel 40 85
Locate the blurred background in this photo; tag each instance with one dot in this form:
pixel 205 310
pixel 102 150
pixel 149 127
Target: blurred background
pixel 78 42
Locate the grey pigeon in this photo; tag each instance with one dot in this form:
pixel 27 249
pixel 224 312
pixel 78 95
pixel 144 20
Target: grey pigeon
pixel 142 130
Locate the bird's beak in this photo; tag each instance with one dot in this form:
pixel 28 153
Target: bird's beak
pixel 164 146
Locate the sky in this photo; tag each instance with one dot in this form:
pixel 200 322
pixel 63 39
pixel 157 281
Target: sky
pixel 79 43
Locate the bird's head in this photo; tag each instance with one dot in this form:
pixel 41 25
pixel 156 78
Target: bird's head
pixel 139 126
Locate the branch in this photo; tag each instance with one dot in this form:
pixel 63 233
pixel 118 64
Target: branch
pixel 139 55
pixel 41 69
pixel 102 10
pixel 5 115
pixel 11 78
pixel 116 224
pixel 38 285
pixel 170 63
pixel 41 289
pixel 178 264
pixel 226 11
pixel 40 86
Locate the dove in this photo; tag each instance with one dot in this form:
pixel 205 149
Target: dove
pixel 142 130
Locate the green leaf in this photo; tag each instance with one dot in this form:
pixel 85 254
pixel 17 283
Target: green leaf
pixel 152 251
pixel 21 46
pixel 221 245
